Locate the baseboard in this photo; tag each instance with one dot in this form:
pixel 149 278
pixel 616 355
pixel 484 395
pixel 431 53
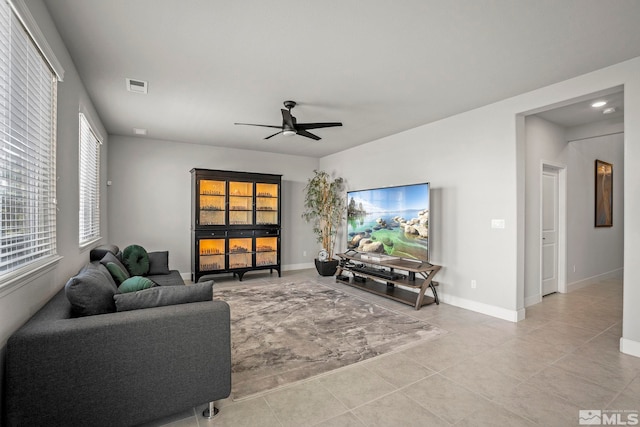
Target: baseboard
pixel 630 347
pixel 617 273
pixel 304 266
pixel 532 300
pixel 489 310
pixel 187 276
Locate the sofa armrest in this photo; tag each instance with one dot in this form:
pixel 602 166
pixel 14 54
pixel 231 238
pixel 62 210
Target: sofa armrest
pixel 119 368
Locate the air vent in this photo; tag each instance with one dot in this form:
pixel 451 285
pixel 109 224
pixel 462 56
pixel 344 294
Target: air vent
pixel 137 86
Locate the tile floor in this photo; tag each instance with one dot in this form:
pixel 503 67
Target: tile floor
pixel 562 358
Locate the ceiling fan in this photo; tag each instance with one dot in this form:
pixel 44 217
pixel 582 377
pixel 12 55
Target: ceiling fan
pixel 291 127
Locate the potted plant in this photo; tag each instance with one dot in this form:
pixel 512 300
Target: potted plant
pixel 324 207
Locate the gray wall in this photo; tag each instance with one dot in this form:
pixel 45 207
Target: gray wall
pixel 593 252
pixel 150 195
pixel 20 303
pixel 545 141
pixel 476 162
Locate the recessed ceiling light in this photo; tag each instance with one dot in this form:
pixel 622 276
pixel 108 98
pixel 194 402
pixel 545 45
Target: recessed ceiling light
pixel 138 131
pixel 599 104
pixel 609 110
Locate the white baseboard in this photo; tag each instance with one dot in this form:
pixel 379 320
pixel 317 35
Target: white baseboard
pixel 617 273
pixel 490 310
pixel 630 347
pixel 532 300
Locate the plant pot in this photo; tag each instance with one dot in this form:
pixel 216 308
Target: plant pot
pixel 327 268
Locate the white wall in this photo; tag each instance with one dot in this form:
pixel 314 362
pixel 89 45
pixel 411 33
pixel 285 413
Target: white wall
pixel 21 303
pixel 476 162
pixel 150 198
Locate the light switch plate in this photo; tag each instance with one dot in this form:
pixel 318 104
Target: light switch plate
pixel 497 223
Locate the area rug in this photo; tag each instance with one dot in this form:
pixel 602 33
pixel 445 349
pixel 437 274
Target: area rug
pixel 284 333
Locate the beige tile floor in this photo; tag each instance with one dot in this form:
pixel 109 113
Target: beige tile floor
pixel 562 358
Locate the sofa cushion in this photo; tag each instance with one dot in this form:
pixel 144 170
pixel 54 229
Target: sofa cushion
pixel 136 259
pixel 118 271
pixel 158 263
pixel 97 253
pixel 159 296
pixel 91 292
pixel 135 283
pixel 172 279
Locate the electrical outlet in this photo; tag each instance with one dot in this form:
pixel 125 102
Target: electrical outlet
pixel 473 284
pixel 304 253
pixel 574 268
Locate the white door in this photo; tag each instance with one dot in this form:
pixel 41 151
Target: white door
pixel 549 231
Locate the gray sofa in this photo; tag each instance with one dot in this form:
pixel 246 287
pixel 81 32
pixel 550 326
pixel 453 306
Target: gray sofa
pixel 118 368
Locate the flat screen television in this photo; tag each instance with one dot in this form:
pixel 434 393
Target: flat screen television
pixel 390 220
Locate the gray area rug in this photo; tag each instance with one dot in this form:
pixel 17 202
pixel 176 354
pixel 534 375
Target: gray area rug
pixel 284 333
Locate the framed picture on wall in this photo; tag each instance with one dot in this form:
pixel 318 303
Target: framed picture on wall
pixel 604 194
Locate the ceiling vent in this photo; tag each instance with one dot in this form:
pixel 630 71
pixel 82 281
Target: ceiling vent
pixel 137 86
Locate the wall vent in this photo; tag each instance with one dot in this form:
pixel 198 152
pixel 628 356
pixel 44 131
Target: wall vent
pixel 137 86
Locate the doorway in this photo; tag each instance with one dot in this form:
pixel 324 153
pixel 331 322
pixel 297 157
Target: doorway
pixel 553 229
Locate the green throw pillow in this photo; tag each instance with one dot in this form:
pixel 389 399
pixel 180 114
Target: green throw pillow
pixel 136 259
pixel 117 273
pixel 135 283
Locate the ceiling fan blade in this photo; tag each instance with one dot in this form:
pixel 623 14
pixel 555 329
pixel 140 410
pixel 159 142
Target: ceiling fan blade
pixel 304 126
pixel 303 132
pixel 263 126
pixel 277 133
pixel 287 118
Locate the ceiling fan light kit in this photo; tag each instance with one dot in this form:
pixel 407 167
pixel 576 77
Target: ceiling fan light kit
pixel 290 125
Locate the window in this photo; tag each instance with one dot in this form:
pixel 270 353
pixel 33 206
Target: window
pixel 27 151
pixel 89 183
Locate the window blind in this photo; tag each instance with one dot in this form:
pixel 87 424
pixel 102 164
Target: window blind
pixel 27 149
pixel 89 183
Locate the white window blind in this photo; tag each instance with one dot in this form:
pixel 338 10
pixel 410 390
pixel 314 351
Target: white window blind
pixel 89 183
pixel 27 150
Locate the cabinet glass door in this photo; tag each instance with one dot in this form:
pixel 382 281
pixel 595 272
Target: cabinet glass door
pixel 266 251
pixel 240 253
pixel 266 204
pixel 240 203
pixel 211 202
pixel 211 254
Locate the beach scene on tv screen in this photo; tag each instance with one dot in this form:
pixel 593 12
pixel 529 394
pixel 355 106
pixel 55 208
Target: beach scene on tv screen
pixel 392 221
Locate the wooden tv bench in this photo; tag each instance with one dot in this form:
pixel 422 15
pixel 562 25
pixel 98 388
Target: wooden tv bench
pixel 378 274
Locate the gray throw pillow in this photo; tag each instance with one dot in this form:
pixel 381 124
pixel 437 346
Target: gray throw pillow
pixel 158 263
pixel 90 292
pixel 164 295
pixel 117 269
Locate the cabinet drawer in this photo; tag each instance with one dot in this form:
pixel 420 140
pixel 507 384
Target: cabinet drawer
pixel 205 234
pixel 274 232
pixel 240 233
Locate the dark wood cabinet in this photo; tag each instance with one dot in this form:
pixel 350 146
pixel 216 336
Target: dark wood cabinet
pixel 235 222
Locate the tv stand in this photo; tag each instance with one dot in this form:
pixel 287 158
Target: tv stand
pixel 381 277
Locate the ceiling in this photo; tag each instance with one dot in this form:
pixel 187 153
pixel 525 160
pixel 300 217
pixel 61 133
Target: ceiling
pixel 582 112
pixel 379 67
